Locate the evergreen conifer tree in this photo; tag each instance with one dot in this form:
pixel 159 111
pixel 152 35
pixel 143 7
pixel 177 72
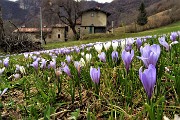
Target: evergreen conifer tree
pixel 142 17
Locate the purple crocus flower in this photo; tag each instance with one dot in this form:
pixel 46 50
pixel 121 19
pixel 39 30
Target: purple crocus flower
pixel 163 42
pixel 102 57
pixel 95 75
pixel 43 63
pixel 34 58
pixel 114 56
pixel 127 58
pixel 35 65
pixel 77 50
pixel 16 76
pixel 148 79
pixel 77 66
pixel 139 43
pixel 128 47
pixel 52 64
pixel 173 36
pixel 68 58
pixel 150 54
pixel 6 62
pixel 67 70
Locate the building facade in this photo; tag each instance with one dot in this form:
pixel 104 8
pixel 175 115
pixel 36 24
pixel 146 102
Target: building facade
pixel 93 21
pixel 55 33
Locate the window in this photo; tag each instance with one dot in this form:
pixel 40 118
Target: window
pixel 59 36
pixel 49 36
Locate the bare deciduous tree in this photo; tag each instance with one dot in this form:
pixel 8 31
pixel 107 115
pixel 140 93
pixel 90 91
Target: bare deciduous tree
pixel 67 11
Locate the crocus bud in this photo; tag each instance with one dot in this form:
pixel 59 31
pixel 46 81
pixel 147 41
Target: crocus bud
pixel 115 45
pixel 148 79
pixel 88 57
pixel 102 57
pixel 127 58
pixel 98 47
pixel 114 56
pixel 107 45
pixel 58 72
pixel 95 75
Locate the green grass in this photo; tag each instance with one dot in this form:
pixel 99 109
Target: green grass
pixel 118 34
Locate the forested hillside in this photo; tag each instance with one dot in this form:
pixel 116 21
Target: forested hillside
pixel 122 11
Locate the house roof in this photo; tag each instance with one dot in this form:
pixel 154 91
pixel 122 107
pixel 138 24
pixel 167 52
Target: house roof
pixel 95 9
pixel 35 30
pixel 59 26
pixel 32 30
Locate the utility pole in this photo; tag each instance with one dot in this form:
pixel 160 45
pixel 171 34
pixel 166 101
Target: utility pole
pixel 112 26
pixel 41 25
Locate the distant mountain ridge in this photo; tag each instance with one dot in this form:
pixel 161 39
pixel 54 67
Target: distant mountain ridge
pixel 122 11
pixel 12 11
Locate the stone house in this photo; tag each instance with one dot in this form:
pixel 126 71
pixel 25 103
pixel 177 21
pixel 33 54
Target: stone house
pixel 93 20
pixel 49 34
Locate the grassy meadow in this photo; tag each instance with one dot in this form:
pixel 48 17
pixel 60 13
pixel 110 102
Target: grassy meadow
pixel 118 34
pixel 129 78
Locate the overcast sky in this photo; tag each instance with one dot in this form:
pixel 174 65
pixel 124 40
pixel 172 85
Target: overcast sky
pixel 101 1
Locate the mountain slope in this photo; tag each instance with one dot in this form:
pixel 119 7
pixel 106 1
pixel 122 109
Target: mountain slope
pixel 11 11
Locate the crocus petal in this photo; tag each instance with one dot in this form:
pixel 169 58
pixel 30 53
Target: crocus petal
pixel 114 56
pixel 2 70
pixel 115 45
pixel 148 79
pixel 163 42
pixel 102 57
pixel 67 70
pixel 98 47
pixel 127 58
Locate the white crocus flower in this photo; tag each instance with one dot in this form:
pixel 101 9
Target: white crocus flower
pixel 82 53
pixel 26 55
pixel 123 44
pixel 107 45
pixel 167 69
pixel 82 62
pixel 2 92
pixel 2 70
pixel 115 45
pixel 88 57
pixel 22 70
pixel 173 43
pixel 98 47
pixel 176 117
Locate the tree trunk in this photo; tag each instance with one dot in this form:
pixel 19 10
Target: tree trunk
pixel 77 36
pixel 44 40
